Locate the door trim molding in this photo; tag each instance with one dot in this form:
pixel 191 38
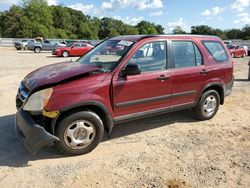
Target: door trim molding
pixel 154 112
pixel 153 99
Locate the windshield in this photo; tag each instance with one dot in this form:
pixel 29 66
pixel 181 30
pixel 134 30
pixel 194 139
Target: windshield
pixel 69 44
pixel 230 46
pixel 107 54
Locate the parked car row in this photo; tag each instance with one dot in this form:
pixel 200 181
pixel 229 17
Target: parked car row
pixel 58 47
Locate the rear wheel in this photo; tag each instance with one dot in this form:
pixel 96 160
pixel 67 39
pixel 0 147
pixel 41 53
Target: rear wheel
pixel 37 50
pixel 208 105
pixel 65 54
pixel 79 133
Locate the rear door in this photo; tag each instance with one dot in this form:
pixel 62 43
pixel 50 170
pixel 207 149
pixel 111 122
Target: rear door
pixel 187 73
pixel 46 45
pixel 149 90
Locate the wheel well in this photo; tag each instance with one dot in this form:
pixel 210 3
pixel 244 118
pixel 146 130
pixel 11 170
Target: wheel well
pixel 92 108
pixel 220 91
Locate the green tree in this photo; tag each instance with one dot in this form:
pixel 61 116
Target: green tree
pixel 202 30
pixel 246 32
pixel 233 33
pixel 10 21
pixel 178 30
pixel 145 27
pixel 159 28
pixel 62 19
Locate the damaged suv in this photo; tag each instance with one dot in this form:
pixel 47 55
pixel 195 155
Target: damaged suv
pixel 71 105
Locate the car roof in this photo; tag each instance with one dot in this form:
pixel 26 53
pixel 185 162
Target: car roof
pixel 136 38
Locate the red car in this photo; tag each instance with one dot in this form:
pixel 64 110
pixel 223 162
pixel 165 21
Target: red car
pixel 71 104
pixel 236 51
pixel 73 49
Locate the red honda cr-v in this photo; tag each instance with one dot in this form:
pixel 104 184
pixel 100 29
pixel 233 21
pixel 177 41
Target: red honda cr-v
pixel 71 105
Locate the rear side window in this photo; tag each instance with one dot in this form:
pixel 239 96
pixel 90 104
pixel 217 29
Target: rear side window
pixel 186 54
pixel 216 50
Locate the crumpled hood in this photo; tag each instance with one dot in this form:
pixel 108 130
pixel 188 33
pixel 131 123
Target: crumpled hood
pixel 55 73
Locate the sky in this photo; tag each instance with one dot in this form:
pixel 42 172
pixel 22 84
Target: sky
pixel 222 14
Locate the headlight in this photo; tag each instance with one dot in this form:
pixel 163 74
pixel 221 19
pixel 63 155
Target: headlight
pixel 37 101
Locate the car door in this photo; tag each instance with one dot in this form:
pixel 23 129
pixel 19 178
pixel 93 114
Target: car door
pixel 187 73
pixel 76 49
pixel 46 45
pixel 83 49
pixel 147 91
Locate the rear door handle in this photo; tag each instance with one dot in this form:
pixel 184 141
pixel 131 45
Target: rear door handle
pixel 204 71
pixel 162 77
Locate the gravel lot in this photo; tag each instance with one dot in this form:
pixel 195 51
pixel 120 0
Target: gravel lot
pixel 172 150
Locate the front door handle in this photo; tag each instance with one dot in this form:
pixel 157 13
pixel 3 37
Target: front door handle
pixel 204 71
pixel 162 77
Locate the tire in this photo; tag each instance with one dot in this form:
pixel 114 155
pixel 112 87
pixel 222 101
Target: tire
pixel 207 105
pixel 79 133
pixel 244 55
pixel 37 49
pixel 233 55
pixel 65 54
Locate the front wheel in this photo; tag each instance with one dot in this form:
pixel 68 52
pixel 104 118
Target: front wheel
pixel 79 133
pixel 65 54
pixel 208 105
pixel 37 50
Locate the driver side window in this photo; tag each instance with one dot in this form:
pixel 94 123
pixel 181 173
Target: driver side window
pixel 151 56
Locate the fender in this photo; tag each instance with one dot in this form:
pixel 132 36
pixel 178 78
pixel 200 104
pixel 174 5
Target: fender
pixel 108 125
pixel 221 85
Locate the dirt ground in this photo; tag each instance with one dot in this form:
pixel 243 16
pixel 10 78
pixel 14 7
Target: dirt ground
pixel 173 150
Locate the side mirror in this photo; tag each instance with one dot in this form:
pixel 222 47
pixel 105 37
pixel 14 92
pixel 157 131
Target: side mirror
pixel 131 69
pixel 72 47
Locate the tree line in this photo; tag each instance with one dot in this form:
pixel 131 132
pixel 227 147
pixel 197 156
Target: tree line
pixel 243 33
pixel 35 18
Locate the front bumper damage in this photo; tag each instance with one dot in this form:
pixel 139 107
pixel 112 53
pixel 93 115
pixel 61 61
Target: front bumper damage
pixel 32 135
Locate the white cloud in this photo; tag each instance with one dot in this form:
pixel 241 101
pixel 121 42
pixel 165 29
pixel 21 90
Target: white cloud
pixel 9 2
pixel 52 2
pixel 242 14
pixel 180 22
pixel 240 5
pixel 15 2
pixel 149 4
pixel 158 13
pixel 106 6
pixel 244 18
pixel 140 5
pixel 86 9
pixel 129 20
pixel 213 11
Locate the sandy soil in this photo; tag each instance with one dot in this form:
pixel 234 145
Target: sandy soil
pixel 172 150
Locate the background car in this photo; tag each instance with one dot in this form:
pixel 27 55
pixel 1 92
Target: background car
pixel 46 45
pixel 23 44
pixel 236 51
pixel 73 49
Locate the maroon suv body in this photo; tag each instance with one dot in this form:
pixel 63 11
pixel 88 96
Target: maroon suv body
pixel 72 104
